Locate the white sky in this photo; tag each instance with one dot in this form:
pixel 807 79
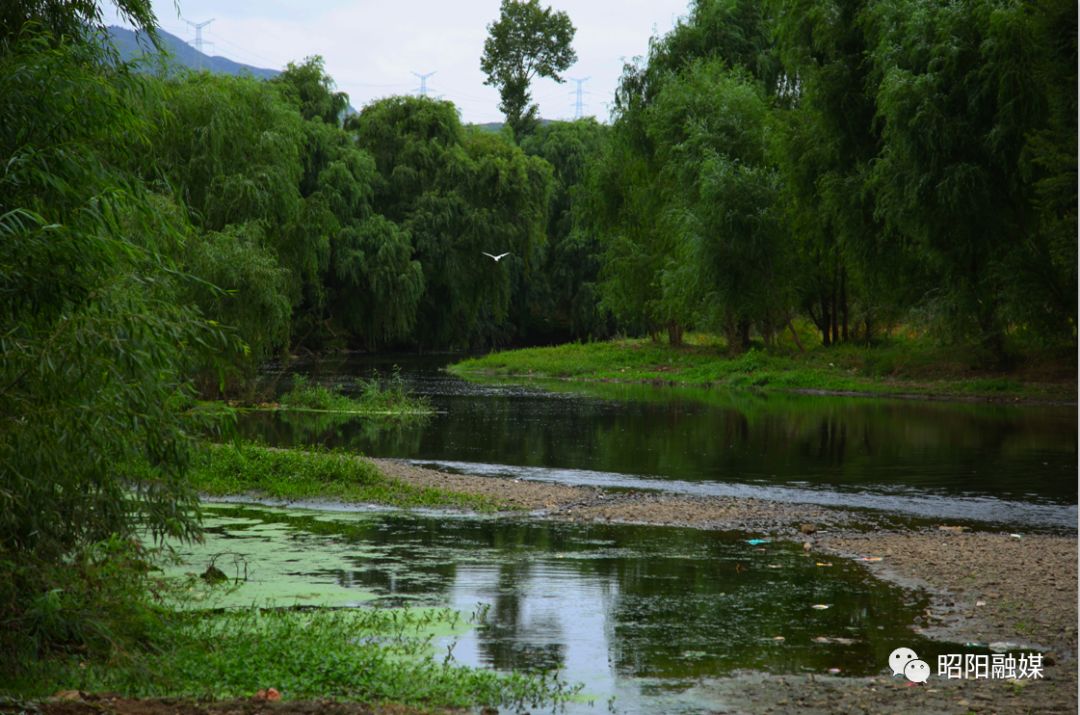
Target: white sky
pixel 372 47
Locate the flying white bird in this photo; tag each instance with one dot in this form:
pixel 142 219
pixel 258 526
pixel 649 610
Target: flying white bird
pixel 496 258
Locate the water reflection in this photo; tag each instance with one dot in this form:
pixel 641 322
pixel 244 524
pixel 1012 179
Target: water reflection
pixel 637 612
pixel 996 454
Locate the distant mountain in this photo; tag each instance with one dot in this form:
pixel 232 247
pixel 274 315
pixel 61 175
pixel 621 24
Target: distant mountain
pixel 493 127
pixel 132 45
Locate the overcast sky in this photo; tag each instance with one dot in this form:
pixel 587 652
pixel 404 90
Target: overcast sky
pixel 372 47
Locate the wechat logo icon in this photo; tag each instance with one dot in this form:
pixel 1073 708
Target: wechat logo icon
pixel 904 661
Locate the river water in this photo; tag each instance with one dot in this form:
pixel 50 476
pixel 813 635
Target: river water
pixel 1007 465
pixel 647 617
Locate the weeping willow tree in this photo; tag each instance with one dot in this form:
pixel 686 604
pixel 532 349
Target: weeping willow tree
pixel 230 151
pixel 78 20
pixel 370 284
pixel 730 270
pixel 856 276
pixel 918 165
pixel 95 350
pixel 684 198
pixel 962 94
pixel 456 194
pixel 561 302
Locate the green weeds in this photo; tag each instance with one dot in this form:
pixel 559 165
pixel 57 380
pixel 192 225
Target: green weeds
pixel 370 655
pixel 372 396
pixel 307 473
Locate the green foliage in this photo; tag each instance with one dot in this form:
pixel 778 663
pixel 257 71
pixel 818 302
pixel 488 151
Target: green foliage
pixel 412 140
pixel 96 346
pixel 75 20
pixel 908 161
pixel 737 33
pixel 232 147
pixel 1050 157
pixel 310 474
pixel 375 284
pixel 455 194
pixel 851 269
pixel 228 149
pixel 309 87
pixel 561 298
pixel 526 41
pixel 373 396
pixel 957 105
pixel 245 289
pixel 709 130
pixel 685 202
pixel 371 655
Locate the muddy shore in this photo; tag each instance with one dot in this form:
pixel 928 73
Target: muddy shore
pixel 987 587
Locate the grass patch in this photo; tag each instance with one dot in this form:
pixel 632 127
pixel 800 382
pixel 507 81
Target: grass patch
pixel 901 365
pixel 373 396
pixel 368 655
pixel 310 473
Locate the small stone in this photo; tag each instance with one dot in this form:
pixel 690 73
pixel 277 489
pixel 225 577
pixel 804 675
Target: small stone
pixel 213 574
pixel 68 695
pixel 808 528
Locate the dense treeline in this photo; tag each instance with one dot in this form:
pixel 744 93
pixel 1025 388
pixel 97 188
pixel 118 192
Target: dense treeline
pixel 856 164
pixel 852 164
pixel 369 233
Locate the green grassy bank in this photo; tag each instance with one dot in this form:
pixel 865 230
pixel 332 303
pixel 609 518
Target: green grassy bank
pixel 295 473
pixel 369 655
pixel 160 641
pixel 902 366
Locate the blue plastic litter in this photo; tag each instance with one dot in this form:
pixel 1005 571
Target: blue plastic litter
pixel 756 542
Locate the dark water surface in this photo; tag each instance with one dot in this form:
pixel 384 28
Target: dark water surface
pixel 1000 464
pixel 645 614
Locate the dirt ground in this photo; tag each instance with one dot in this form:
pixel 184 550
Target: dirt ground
pixel 983 587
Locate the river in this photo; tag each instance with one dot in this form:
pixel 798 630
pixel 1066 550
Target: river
pixel 645 617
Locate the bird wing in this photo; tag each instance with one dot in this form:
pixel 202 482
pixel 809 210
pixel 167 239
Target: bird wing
pixel 489 255
pixel 501 255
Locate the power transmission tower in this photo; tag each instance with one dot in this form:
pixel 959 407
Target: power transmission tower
pixel 199 43
pixel 423 88
pixel 578 93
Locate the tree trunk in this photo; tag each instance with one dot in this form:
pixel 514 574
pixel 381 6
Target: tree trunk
pixel 795 336
pixel 744 334
pixel 844 303
pixel 835 327
pixel 674 333
pixel 826 321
